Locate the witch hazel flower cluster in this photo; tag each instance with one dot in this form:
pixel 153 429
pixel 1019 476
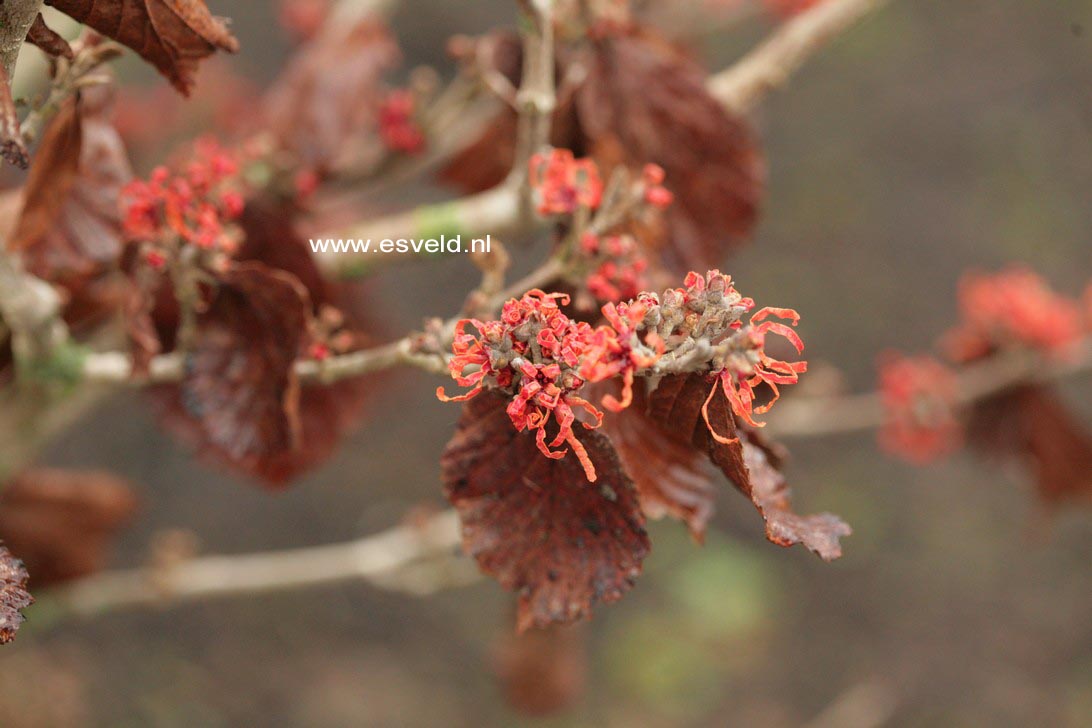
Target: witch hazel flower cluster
pixel 1012 309
pixel 919 395
pixel 609 267
pixel 190 209
pixel 543 358
pixel 1015 307
pixel 617 268
pixel 398 126
pixel 563 184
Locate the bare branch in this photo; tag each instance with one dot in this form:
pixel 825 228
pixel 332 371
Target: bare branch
pixel 770 65
pixel 395 559
pixel 16 17
pixel 116 367
pixel 821 416
pixel 498 211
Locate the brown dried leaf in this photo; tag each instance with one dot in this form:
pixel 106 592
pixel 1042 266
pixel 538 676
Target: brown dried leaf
pixel 61 523
pixel 672 478
pixel 56 167
pixel 172 35
pixel 748 462
pixel 536 524
pixel 49 41
pixel 331 91
pixel 643 101
pixel 13 595
pixel 1030 423
pixel 647 101
pixel 326 413
pixel 239 401
pixel 140 330
pixel 12 147
pixel 271 237
pixel 69 231
pixel 542 671
pixel 487 160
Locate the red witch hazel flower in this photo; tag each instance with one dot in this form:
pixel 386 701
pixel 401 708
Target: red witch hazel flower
pixel 541 354
pixel 620 267
pixel 543 357
pixel 397 125
pixel 1013 307
pixel 919 397
pixel 741 363
pixel 563 184
pixel 193 207
pixel 655 193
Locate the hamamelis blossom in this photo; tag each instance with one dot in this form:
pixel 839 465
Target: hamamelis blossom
pixel 398 125
pixel 562 183
pixel 620 268
pixel 1013 307
pixel 655 194
pixel 543 358
pixel 919 399
pixel 194 206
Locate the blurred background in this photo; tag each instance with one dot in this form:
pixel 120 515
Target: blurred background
pixel 936 137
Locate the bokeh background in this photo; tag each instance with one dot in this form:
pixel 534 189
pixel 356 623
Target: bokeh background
pixel 934 138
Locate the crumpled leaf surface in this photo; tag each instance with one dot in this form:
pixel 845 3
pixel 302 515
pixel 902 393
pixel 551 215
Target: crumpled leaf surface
pixel 50 42
pixel 749 463
pixel 672 477
pixel 239 399
pixel 172 35
pixel 13 595
pixel 645 101
pixel 61 523
pixel 331 91
pixel 536 524
pixel 69 230
pixel 328 412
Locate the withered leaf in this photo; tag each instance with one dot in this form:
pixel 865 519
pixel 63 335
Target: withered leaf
pixel 61 523
pixel 331 91
pixel 239 399
pixel 488 159
pixel 676 405
pixel 12 147
pixel 172 35
pixel 671 476
pixel 535 523
pixel 329 412
pixel 270 236
pixel 69 230
pixel 542 671
pixel 1030 423
pixel 49 41
pixel 13 595
pixel 645 101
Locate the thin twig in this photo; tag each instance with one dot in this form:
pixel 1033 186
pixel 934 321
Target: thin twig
pixel 770 65
pixel 840 414
pixel 498 211
pixel 386 559
pixel 116 367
